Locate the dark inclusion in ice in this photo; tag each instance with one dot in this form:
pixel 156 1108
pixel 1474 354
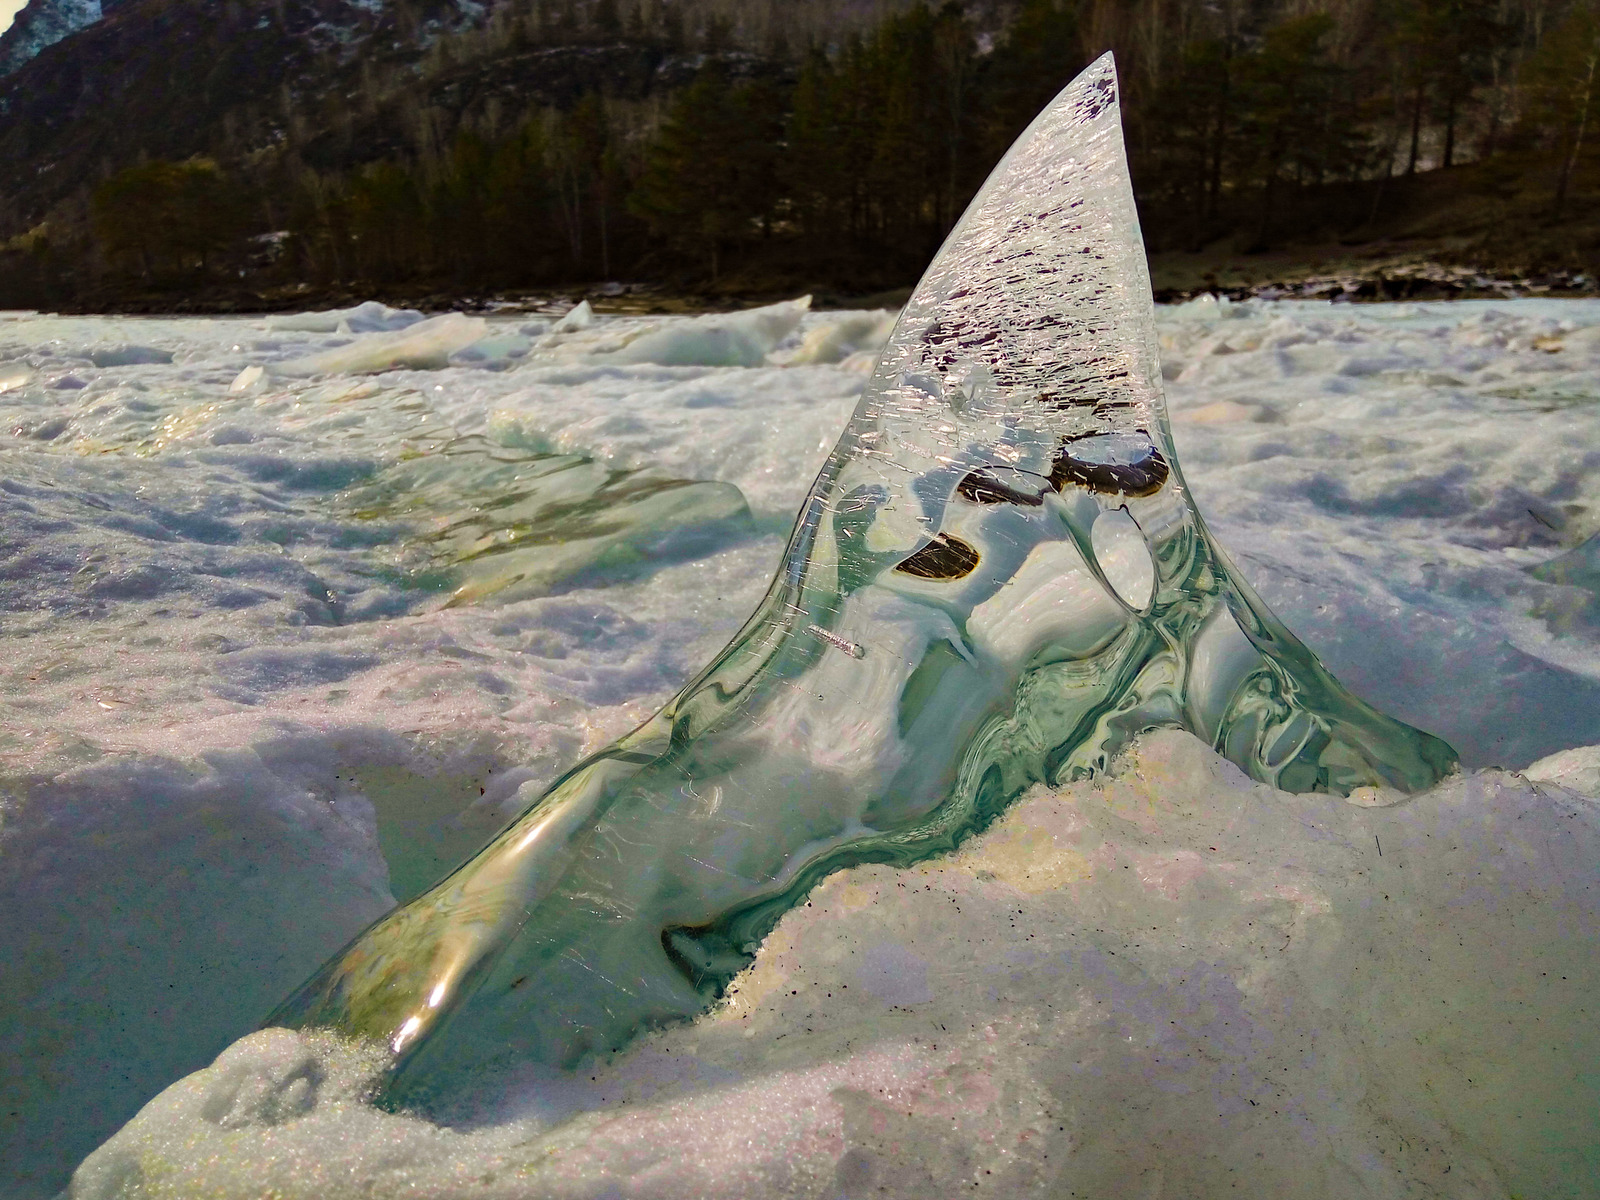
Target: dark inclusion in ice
pixel 998 579
pixel 1111 464
pixel 945 557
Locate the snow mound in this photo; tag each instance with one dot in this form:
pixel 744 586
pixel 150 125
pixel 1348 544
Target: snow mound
pixel 839 340
pixel 578 318
pixel 370 317
pixel 1577 770
pixel 128 356
pixel 425 346
pixel 14 376
pixel 741 339
pixel 1173 981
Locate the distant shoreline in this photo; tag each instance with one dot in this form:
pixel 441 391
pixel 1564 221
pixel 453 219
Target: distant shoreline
pixel 1426 281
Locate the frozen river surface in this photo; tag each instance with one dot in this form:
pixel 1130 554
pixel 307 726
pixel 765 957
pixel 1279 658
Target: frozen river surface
pixel 292 608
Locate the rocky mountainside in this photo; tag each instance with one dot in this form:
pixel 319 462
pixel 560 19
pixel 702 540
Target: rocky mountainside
pixel 451 147
pixel 330 84
pixel 43 23
pixel 160 79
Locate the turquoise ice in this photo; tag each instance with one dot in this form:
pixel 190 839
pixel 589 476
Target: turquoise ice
pixel 998 579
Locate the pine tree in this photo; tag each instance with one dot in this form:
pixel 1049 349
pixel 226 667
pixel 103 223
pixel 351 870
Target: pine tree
pixel 1564 93
pixel 709 182
pixel 606 20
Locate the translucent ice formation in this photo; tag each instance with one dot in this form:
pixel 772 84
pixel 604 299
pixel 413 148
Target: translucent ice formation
pixel 13 376
pixel 578 318
pixel 424 346
pixel 998 579
pixel 741 339
pixel 734 339
pixel 839 341
pixel 368 317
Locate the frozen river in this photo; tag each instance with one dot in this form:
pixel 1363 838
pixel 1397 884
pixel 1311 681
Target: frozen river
pixel 292 607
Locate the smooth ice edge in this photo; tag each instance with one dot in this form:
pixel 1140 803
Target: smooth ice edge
pixel 1124 557
pixel 886 699
pixel 1171 974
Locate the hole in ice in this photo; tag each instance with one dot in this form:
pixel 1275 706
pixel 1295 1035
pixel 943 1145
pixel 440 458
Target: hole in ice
pixel 943 558
pixel 1002 485
pixel 1124 558
pixel 1115 463
pixel 1290 741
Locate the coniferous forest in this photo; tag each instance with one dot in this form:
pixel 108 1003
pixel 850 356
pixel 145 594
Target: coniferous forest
pixel 719 148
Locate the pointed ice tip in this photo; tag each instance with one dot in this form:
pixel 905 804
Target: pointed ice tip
pixel 1038 305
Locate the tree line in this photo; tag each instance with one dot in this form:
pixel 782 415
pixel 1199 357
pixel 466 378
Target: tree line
pixel 844 157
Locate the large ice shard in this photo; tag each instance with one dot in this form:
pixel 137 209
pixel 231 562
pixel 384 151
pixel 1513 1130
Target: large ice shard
pixel 997 580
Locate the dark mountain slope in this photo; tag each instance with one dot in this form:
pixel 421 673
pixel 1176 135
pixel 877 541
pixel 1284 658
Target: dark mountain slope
pixel 161 79
pixel 43 23
pixel 256 148
pixel 347 81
